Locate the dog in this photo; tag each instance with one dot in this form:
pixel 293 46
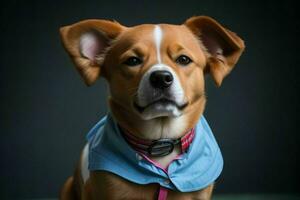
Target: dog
pixel 154 142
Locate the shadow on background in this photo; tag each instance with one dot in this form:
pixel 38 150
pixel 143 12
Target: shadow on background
pixel 46 110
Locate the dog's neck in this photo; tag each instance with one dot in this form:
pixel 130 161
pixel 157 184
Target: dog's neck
pixel 172 128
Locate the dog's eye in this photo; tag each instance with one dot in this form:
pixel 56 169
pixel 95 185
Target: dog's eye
pixel 133 61
pixel 183 60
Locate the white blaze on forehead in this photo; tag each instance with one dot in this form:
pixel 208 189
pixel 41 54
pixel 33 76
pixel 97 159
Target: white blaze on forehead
pixel 157 39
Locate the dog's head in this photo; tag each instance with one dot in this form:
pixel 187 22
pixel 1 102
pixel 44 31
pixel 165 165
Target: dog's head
pixel 154 71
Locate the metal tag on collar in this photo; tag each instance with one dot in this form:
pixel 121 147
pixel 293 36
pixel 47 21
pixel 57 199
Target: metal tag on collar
pixel 162 147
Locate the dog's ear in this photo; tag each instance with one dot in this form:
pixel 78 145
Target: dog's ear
pixel 87 42
pixel 223 47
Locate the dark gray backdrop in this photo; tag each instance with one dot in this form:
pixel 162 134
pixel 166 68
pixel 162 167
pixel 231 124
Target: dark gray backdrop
pixel 46 109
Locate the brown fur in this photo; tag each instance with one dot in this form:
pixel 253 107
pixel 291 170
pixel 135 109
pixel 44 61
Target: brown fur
pixel 212 48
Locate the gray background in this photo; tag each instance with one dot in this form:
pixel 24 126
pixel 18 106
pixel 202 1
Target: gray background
pixel 46 110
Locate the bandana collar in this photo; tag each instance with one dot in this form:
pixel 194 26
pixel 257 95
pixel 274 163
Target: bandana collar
pixel 160 147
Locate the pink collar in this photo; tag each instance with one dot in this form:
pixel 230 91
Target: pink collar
pixel 161 147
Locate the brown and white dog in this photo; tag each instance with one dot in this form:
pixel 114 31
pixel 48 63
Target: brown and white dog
pixel 156 83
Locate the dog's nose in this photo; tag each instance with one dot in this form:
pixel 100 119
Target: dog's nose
pixel 161 79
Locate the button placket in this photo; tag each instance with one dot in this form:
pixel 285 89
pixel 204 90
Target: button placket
pixel 167 181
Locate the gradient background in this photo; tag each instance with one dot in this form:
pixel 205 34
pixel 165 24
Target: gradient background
pixel 46 110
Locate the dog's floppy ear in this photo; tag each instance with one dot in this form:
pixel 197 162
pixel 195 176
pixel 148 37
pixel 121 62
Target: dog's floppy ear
pixel 223 47
pixel 86 42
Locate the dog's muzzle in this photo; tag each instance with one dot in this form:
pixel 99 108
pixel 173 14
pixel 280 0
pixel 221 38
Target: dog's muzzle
pixel 160 93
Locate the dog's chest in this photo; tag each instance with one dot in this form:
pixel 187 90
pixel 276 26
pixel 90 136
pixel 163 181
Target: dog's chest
pixel 112 187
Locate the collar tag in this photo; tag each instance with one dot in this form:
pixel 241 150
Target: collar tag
pixel 162 147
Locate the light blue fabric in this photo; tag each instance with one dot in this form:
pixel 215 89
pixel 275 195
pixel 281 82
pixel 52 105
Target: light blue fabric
pixel 197 168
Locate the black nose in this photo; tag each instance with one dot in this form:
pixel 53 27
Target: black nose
pixel 161 79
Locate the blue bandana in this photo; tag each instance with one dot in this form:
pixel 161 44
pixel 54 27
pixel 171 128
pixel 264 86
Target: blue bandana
pixel 197 168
